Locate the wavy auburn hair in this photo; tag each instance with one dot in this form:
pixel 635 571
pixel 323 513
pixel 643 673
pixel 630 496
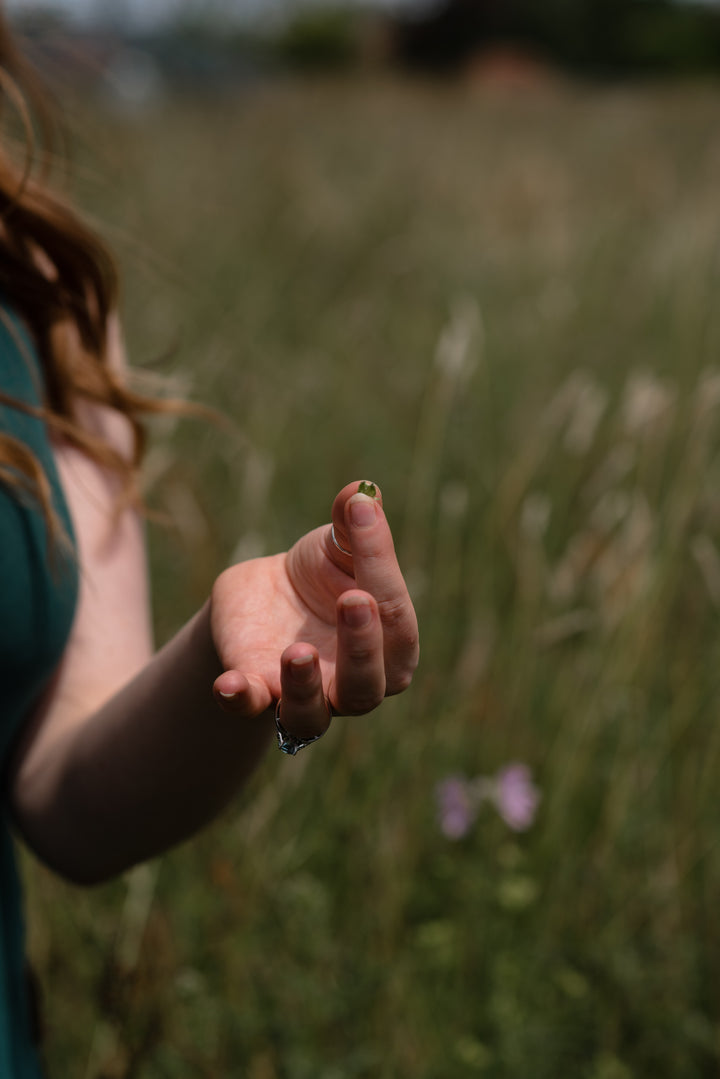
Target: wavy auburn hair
pixel 58 275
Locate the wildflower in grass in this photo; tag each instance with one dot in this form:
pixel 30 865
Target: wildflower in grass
pixel 516 797
pixel 456 806
pixel 511 791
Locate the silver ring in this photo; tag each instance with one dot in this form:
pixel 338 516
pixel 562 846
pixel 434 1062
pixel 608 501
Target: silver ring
pixel 288 743
pixel 339 546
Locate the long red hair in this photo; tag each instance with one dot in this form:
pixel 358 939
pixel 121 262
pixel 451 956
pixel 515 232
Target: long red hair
pixel 59 277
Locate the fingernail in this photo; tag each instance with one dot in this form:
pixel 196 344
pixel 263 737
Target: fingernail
pixel 303 668
pixel 363 513
pixel 227 696
pixel 356 613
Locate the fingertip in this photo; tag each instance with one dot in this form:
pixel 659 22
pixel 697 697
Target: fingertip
pixel 300 659
pixel 300 674
pixel 356 609
pixel 229 702
pixel 338 541
pixel 364 487
pixel 361 511
pixel 232 691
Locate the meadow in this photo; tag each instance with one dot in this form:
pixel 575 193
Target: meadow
pixel 505 309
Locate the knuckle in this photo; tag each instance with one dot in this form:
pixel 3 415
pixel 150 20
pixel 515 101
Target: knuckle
pixel 393 612
pixel 406 650
pixel 412 648
pixel 399 683
pixel 361 705
pixel 362 657
pixel 400 677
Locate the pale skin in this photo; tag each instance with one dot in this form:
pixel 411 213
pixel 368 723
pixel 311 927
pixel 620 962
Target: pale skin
pixel 131 752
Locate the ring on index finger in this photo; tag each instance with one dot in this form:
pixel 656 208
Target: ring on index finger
pixel 333 537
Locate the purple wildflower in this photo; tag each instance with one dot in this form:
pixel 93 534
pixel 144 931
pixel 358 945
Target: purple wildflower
pixel 456 810
pixel 516 797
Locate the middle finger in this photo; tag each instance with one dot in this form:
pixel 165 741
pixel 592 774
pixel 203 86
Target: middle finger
pixel 360 665
pixel 377 571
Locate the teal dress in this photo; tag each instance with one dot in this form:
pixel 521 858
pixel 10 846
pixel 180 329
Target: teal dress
pixel 38 592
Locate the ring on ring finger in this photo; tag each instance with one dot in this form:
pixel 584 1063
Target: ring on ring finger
pixel 290 743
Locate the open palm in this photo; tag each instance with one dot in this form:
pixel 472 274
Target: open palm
pixel 317 623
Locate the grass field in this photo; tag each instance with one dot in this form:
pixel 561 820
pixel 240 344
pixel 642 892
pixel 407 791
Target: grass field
pixel 504 309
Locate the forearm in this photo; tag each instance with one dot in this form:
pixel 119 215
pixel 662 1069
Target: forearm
pixel 144 771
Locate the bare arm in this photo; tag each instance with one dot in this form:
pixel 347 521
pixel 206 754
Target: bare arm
pixel 127 753
pixel 130 753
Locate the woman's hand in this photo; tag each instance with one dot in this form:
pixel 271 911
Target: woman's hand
pixel 317 627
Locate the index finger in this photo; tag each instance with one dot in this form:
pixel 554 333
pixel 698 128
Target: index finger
pixel 360 520
pixel 338 539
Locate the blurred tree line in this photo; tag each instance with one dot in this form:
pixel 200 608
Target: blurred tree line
pixel 604 37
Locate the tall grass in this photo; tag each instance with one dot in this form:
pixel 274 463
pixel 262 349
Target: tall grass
pixel 504 310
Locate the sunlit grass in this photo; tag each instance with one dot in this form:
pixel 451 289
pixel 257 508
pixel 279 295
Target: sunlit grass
pixel 504 310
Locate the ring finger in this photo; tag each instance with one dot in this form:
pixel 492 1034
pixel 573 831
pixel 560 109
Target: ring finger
pixel 303 712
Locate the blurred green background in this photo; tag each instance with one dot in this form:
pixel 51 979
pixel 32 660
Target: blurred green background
pixel 497 296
